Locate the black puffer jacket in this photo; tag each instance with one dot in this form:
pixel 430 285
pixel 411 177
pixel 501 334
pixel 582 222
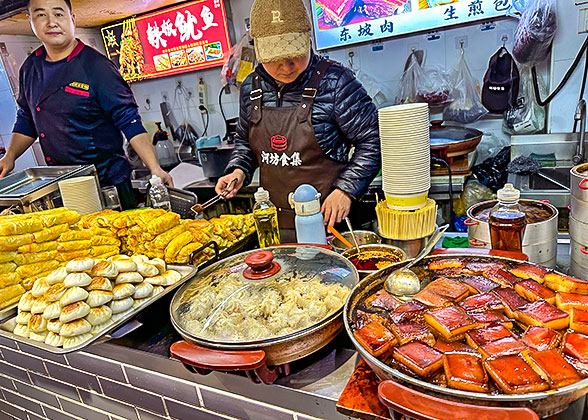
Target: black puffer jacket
pixel 343 116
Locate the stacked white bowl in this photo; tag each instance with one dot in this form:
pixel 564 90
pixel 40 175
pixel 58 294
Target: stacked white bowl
pixel 406 155
pixel 81 194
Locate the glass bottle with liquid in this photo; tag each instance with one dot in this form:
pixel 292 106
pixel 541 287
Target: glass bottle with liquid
pixel 265 215
pixel 507 221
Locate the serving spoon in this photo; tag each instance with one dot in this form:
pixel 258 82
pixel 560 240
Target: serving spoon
pixel 404 282
pixel 353 236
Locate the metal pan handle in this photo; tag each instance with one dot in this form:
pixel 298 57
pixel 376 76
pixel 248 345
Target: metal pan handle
pixel 214 246
pixel 584 250
pixel 474 242
pixel 211 359
pixel 470 222
pixel 582 186
pixel 414 404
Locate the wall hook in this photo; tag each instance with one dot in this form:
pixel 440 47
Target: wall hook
pixel 504 39
pixel 148 107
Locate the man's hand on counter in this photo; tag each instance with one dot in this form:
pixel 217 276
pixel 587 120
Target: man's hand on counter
pixel 225 181
pixel 6 165
pixel 165 177
pixel 336 207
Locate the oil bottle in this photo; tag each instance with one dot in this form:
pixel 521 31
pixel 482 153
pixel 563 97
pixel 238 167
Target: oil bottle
pixel 507 221
pixel 265 214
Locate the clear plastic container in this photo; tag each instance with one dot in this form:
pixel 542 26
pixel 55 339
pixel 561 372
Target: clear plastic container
pixel 265 215
pixel 507 221
pixel 158 194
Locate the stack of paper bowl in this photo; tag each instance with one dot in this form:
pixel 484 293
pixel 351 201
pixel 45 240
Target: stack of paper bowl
pixel 81 194
pixel 406 155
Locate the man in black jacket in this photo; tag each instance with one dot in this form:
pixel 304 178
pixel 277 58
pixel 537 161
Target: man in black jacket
pixel 299 118
pixel 75 101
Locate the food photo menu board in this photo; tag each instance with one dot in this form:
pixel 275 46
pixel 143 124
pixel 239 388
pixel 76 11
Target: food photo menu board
pixel 345 22
pixel 183 38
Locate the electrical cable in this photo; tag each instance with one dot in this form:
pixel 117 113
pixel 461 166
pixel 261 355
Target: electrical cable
pixel 220 100
pixel 203 108
pixel 439 161
pixel 565 79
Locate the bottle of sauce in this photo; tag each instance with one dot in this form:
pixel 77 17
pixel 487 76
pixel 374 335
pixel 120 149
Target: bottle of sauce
pixel 265 215
pixel 507 221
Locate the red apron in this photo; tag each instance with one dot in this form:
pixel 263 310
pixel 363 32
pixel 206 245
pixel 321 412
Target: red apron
pixel 286 147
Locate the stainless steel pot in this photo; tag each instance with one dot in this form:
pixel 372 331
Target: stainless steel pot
pixel 579 209
pixel 579 181
pixel 364 237
pixel 279 350
pixel 539 240
pixel 410 246
pixel 351 252
pixel 544 404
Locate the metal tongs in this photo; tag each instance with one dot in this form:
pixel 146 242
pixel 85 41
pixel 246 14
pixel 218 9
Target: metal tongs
pixel 199 208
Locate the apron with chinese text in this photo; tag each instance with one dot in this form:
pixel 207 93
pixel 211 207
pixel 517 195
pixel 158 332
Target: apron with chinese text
pixel 286 147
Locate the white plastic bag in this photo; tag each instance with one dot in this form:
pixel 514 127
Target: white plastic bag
pixel 466 106
pixel 527 117
pixel 423 85
pixel 535 32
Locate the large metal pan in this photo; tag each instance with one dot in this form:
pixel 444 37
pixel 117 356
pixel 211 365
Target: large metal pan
pixel 451 141
pixel 543 403
pixel 228 355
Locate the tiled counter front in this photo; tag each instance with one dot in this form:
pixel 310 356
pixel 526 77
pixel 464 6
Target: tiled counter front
pixel 35 384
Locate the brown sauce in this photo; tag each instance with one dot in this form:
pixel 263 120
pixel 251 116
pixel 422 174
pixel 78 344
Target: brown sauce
pixel 373 260
pixel 507 229
pixel 535 213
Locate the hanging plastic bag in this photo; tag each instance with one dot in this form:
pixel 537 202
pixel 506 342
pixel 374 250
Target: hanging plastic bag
pixel 423 85
pixel 466 106
pixel 527 116
pixel 535 32
pixel 373 88
pixel 239 63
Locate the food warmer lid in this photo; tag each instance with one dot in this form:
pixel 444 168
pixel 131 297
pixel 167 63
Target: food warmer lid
pixel 264 294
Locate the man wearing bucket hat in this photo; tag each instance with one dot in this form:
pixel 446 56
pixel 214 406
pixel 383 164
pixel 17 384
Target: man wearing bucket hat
pixel 300 115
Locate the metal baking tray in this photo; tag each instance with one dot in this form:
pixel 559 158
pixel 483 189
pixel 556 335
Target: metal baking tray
pixel 187 272
pixel 8 312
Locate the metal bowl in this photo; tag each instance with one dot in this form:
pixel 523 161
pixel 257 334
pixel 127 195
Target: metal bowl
pixel 364 237
pixel 410 246
pixel 351 252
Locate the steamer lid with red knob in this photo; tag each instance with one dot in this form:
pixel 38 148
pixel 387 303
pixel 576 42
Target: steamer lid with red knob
pixel 263 294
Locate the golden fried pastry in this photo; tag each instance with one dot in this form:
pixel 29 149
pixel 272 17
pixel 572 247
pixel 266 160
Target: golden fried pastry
pixel 100 283
pixel 77 279
pixel 54 325
pixel 22 330
pixel 143 290
pixel 529 271
pixel 40 337
pixel 129 277
pixel 465 371
pixel 125 265
pixel 163 223
pixel 9 279
pixel 26 302
pixel 541 338
pixel 122 305
pixel 412 331
pixel 57 276
pixel 64 257
pixel 40 287
pixel 139 258
pixel 139 302
pixel 514 375
pixel 534 291
pixel 79 265
pixel 35 248
pixel 105 269
pixel 157 290
pixel 542 314
pixel 39 306
pixel 451 322
pixel 54 340
pixel 52 311
pixel 147 269
pixel 375 338
pixel 74 311
pixel 120 315
pixel 168 278
pixel 159 263
pixel 98 298
pixel 73 328
pixel 73 246
pixel 23 317
pixel 76 235
pixel 71 342
pixel 96 329
pixel 12 242
pixel 122 291
pixel 37 323
pixel 420 358
pixel 50 234
pixel 73 295
pixel 99 315
pixel 55 292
